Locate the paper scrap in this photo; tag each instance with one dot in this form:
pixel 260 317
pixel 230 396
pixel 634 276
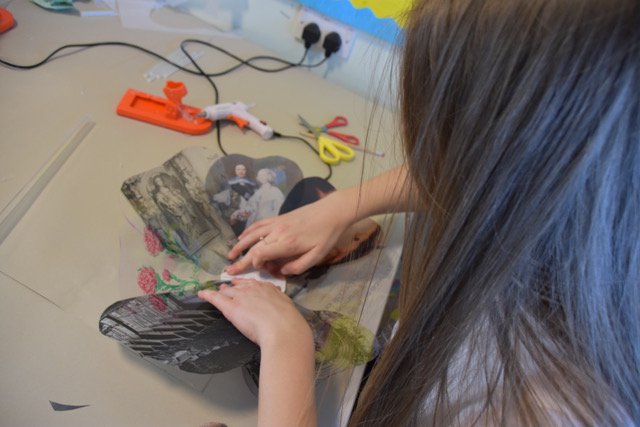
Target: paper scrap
pixel 261 276
pixel 55 4
pixel 63 407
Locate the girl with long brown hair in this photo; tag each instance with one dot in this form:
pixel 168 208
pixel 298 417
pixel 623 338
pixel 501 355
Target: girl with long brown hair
pixel 520 300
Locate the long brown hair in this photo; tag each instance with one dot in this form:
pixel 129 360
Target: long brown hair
pixel 521 130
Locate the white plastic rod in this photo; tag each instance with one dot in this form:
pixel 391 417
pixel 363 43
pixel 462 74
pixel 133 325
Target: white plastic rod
pixel 20 204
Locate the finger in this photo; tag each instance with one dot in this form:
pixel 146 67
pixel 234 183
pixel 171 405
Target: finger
pixel 273 268
pixel 256 225
pixel 221 302
pixel 245 241
pixel 228 291
pixel 240 265
pixel 248 230
pixel 262 253
pixel 256 257
pixel 241 283
pixel 242 245
pixel 302 263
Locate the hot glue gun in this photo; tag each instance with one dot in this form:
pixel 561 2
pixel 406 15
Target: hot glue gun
pixel 239 113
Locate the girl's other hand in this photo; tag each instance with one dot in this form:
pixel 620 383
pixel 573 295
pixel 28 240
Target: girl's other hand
pixel 269 318
pixel 261 312
pixel 295 241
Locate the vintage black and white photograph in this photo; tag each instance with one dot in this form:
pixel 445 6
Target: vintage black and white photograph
pixel 171 200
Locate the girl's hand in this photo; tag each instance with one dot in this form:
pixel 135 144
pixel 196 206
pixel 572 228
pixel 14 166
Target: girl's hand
pixel 295 241
pixel 268 317
pixel 261 312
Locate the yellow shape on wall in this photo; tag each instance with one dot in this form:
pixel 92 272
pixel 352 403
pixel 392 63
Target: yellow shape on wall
pixel 393 9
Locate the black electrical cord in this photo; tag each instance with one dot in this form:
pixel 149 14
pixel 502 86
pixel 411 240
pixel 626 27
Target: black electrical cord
pixel 217 93
pixel 241 62
pixel 199 71
pixel 216 96
pixel 249 62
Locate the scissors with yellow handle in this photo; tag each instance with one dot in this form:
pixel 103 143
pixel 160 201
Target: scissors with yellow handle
pixel 331 151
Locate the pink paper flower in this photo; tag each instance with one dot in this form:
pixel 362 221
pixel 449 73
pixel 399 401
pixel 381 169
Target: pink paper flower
pixel 166 275
pixel 152 241
pixel 158 303
pixel 147 280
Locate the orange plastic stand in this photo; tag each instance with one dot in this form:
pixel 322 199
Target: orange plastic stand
pixel 167 112
pixel 6 20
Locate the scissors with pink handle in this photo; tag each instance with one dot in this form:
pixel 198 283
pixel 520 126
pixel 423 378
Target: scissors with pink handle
pixel 338 121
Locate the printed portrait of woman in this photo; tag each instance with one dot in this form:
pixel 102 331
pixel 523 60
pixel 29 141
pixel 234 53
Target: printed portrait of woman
pixel 266 201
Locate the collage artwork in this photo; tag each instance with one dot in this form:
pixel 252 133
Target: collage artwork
pixel 192 208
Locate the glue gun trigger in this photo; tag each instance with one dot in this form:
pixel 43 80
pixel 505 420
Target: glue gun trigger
pixel 240 122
